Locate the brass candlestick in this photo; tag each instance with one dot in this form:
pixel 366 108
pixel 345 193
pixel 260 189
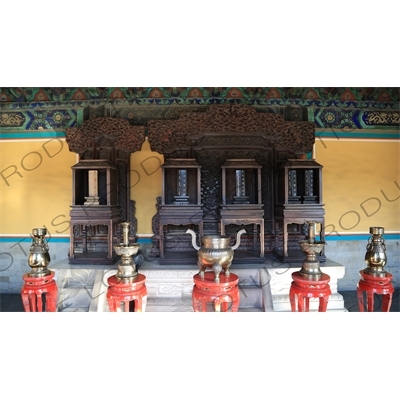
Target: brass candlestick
pixel 311 266
pixel 127 267
pixel 375 257
pixel 39 257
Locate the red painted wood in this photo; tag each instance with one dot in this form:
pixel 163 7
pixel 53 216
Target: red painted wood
pixel 224 295
pixel 34 288
pixel 372 285
pixel 303 289
pixel 120 293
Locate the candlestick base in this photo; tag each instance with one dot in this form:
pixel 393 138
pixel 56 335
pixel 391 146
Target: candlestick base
pixel 181 199
pixel 91 200
pixel 241 200
pixel 311 266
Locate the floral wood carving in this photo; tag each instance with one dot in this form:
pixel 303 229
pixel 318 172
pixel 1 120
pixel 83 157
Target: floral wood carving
pixel 167 136
pixel 105 132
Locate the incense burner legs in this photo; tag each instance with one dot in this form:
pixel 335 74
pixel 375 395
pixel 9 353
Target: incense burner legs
pixel 215 253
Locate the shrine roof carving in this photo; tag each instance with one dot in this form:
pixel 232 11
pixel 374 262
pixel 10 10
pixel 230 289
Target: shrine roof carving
pixel 230 125
pixel 108 132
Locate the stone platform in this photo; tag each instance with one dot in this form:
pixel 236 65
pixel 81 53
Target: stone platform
pixel 263 287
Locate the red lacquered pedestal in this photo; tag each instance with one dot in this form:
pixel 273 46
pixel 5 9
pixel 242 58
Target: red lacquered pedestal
pixel 305 288
pixel 224 295
pixel 372 284
pixel 120 294
pixel 32 293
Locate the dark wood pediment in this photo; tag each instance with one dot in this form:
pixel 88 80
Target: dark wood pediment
pixel 230 125
pixel 220 141
pixel 99 133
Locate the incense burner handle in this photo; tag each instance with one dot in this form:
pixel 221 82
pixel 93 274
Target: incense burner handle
pixel 238 235
pixel 194 244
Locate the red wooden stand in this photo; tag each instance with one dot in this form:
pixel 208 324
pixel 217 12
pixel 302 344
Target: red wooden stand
pixel 372 285
pixel 305 288
pixel 221 294
pixel 120 294
pixel 34 288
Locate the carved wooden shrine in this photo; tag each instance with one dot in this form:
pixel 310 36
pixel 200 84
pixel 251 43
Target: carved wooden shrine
pixel 298 200
pixel 95 212
pixel 238 132
pixel 181 197
pixel 197 147
pixel 104 146
pixel 241 198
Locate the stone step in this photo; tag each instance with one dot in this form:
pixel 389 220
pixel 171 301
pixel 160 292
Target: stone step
pixel 73 297
pixel 185 305
pixel 75 309
pixel 247 276
pixel 250 309
pixel 250 296
pixel 169 304
pixel 75 277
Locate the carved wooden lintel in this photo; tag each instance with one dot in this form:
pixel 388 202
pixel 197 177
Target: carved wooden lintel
pixel 230 125
pixel 98 133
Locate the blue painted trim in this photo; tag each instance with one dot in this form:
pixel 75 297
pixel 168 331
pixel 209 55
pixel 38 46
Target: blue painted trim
pixel 56 239
pixel 359 134
pixel 28 238
pixel 328 238
pixel 144 240
pixel 32 135
pixel 389 236
pixel 209 99
pixel 318 134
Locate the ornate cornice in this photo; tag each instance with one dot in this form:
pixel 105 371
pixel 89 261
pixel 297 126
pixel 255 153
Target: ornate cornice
pixel 242 124
pixel 56 109
pixel 365 98
pixel 109 132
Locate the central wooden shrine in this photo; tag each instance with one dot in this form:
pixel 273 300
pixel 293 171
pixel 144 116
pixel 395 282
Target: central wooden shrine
pixel 226 167
pixel 181 197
